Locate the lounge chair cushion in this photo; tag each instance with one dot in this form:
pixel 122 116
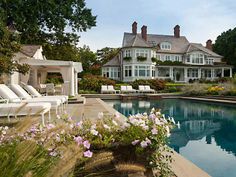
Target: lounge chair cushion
pixel 7 93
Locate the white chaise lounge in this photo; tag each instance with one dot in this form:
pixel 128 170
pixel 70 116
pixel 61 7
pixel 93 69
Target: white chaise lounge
pixel 127 89
pixel 107 89
pixel 33 93
pixel 24 109
pixel 148 89
pixel 7 93
pixel 141 89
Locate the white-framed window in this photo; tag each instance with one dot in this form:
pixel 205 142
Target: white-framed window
pixel 153 71
pixel 177 58
pixel 105 72
pixel 197 58
pixel 165 46
pixel 192 72
pixel 167 58
pixel 142 71
pixel 127 53
pixel 128 71
pixel 114 72
pixel 209 61
pixel 206 73
pixel 141 52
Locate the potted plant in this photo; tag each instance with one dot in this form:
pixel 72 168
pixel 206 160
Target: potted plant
pixel 141 58
pixel 127 58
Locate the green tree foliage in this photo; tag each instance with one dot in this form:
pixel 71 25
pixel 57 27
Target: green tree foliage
pixel 8 46
pixel 47 21
pixel 64 52
pixel 87 58
pixel 225 45
pixel 108 54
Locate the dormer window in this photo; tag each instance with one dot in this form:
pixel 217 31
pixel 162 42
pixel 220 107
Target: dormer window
pixel 165 46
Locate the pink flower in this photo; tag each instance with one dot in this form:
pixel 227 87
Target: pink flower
pixel 135 142
pixel 50 126
pixel 79 124
pixel 86 144
pixel 154 131
pixel 88 153
pixel 144 144
pixel 78 140
pixel 148 141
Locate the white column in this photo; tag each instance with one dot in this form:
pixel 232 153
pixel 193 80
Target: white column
pixel 212 74
pixel 199 73
pixel 185 74
pixel 230 72
pixel 72 81
pixel 76 82
pixel 222 72
pixel 171 73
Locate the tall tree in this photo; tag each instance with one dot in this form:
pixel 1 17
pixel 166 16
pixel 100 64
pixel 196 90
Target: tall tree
pixel 225 45
pixel 8 46
pixel 53 21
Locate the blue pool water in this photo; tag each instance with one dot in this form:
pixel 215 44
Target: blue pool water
pixel 207 134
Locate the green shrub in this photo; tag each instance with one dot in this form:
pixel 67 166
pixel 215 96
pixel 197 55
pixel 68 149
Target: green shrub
pixel 141 58
pixel 155 84
pixel 195 89
pixel 159 62
pixel 94 83
pixel 127 58
pixel 154 60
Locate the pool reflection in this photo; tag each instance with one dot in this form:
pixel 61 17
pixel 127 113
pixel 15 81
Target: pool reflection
pixel 202 124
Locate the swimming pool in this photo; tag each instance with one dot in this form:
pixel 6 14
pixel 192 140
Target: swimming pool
pixel 207 134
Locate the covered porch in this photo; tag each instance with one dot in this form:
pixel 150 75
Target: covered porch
pixel 40 68
pixel 186 73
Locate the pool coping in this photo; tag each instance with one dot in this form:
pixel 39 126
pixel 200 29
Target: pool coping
pixel 180 166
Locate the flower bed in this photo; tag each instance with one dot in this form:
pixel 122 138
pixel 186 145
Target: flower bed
pixel 85 148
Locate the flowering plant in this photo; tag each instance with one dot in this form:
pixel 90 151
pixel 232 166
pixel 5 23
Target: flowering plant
pixel 214 90
pixel 81 147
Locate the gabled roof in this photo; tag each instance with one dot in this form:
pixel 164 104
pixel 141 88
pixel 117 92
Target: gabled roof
pixel 29 50
pixel 131 40
pixel 197 46
pixel 178 45
pixel 113 62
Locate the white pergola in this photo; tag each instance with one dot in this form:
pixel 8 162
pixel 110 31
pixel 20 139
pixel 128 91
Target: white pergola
pixel 39 69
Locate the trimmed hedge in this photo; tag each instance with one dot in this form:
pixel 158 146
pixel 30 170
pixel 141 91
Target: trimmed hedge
pixel 155 84
pixel 94 83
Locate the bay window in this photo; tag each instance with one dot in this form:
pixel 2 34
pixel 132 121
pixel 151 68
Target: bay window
pixel 197 58
pixel 127 53
pixel 142 71
pixel 142 53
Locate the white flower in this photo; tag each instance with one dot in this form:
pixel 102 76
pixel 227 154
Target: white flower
pixel 145 127
pixel 167 131
pixel 93 126
pixel 100 115
pixel 173 120
pixel 6 127
pixel 4 132
pixel 94 132
pixel 106 126
pixel 114 122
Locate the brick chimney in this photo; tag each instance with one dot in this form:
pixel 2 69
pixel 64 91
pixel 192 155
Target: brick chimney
pixel 177 31
pixel 144 32
pixel 209 44
pixel 134 28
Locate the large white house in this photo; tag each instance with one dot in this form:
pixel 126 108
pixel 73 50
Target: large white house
pixel 149 56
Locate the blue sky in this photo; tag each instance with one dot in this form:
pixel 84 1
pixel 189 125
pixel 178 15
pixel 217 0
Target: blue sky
pixel 199 19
